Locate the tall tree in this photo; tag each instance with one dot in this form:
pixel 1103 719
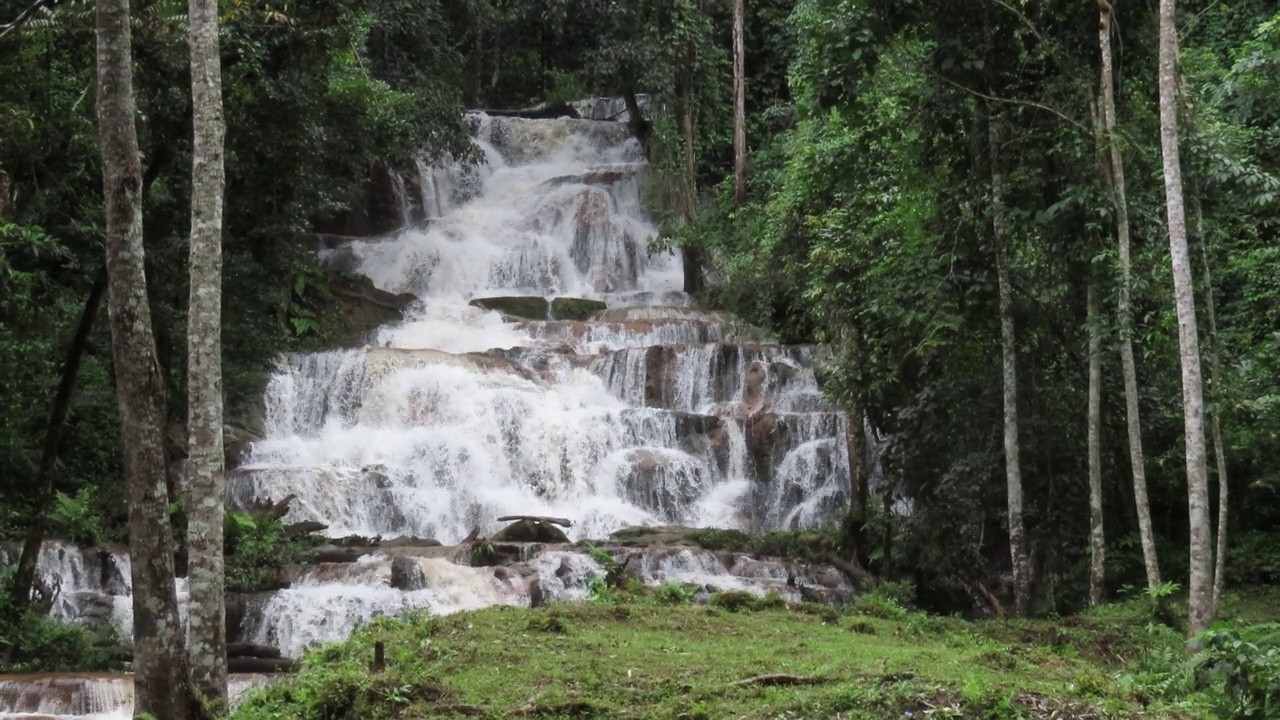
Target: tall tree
pixel 739 104
pixel 160 669
pixel 1097 534
pixel 1200 601
pixel 207 618
pixel 1215 416
pixel 1124 309
pixel 1009 371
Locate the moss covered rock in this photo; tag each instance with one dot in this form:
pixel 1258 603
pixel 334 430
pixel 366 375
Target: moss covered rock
pixel 529 308
pixel 568 308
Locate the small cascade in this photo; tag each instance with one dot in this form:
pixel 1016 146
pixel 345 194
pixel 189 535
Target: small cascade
pixel 78 696
pixel 91 586
pixel 72 696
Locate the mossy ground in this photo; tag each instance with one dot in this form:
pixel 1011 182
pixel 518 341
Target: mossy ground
pixel 640 657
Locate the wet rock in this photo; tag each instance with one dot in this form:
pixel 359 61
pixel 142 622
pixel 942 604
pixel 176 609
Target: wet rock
pixel 533 588
pixel 665 482
pixel 407 574
pixel 531 531
pixel 568 308
pixel 364 308
pixel 754 387
pixel 529 308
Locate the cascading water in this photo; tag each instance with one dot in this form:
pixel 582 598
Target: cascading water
pixel 651 412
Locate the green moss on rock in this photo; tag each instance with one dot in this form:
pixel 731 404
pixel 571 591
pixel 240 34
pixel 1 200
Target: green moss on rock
pixel 529 308
pixel 568 308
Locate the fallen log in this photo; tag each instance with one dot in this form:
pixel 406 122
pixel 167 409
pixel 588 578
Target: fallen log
pixel 306 527
pixel 777 679
pixel 564 522
pixel 261 665
pixel 252 650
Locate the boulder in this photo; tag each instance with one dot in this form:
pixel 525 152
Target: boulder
pixel 406 574
pixel 530 530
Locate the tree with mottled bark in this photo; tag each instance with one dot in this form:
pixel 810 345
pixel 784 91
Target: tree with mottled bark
pixel 1009 371
pixel 159 665
pixel 1215 414
pixel 1200 584
pixel 1097 534
pixel 207 616
pixel 1124 308
pixel 739 104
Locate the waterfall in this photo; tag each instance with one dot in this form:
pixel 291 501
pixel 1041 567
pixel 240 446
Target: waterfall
pixel 650 412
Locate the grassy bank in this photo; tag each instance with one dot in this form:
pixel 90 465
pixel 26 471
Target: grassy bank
pixel 655 656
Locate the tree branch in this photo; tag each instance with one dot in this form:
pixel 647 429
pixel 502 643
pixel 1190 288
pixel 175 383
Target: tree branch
pixel 1011 101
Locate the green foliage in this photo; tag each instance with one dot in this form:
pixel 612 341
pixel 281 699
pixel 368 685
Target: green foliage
pixel 809 545
pixel 658 660
pixel 258 550
pixel 1246 660
pixel 74 517
pixel 674 593
pixel 38 643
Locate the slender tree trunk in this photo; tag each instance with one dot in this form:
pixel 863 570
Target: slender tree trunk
pixel 6 197
pixel 1097 535
pixel 1008 342
pixel 160 674
pixel 692 255
pixel 739 105
pixel 207 616
pixel 25 576
pixel 1200 600
pixel 1215 417
pixel 1124 308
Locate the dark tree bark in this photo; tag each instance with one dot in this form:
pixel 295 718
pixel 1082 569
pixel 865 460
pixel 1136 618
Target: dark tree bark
pixel 160 670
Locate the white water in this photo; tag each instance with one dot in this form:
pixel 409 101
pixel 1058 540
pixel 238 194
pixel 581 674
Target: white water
pixel 651 413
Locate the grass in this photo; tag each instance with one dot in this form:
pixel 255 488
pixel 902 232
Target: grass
pixel 649 655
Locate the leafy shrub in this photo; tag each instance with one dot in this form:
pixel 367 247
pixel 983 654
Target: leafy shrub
pixel 879 606
pixel 38 643
pixel 72 517
pixel 1254 559
pixel 673 593
pixel 257 550
pixel 1246 659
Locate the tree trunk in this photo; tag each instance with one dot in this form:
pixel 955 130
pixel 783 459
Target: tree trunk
pixel 739 105
pixel 856 520
pixel 160 674
pixel 1013 468
pixel 1200 585
pixel 692 256
pixel 25 575
pixel 1124 308
pixel 1097 536
pixel 1215 417
pixel 207 617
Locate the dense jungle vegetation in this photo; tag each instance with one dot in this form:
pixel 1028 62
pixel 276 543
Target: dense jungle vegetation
pixel 928 187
